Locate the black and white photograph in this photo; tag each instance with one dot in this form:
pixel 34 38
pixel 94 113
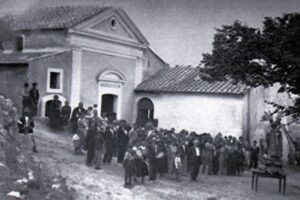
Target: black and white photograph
pixel 149 99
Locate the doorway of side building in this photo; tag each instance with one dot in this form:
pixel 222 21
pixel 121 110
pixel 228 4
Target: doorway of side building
pixel 109 106
pixel 145 111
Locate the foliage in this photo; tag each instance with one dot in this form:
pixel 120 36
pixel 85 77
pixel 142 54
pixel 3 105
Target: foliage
pixel 21 171
pixel 257 57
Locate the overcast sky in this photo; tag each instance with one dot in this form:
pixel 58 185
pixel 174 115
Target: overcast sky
pixel 179 31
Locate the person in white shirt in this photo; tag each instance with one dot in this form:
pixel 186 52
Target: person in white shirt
pixel 195 160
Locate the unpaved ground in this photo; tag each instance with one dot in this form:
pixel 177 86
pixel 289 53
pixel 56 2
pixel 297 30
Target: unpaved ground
pixel 56 150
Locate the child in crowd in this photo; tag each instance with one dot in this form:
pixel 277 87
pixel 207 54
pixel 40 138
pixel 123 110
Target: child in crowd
pixel 76 144
pixel 128 164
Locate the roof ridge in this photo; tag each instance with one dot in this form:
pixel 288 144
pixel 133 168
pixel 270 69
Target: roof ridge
pixel 49 17
pixel 181 79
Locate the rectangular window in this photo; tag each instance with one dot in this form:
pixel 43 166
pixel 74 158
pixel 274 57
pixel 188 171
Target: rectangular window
pixel 55 80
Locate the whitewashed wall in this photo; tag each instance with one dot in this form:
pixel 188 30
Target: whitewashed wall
pixel 200 112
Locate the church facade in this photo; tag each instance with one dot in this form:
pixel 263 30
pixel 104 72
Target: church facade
pixel 94 55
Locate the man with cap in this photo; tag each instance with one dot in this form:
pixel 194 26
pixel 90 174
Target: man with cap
pixel 34 96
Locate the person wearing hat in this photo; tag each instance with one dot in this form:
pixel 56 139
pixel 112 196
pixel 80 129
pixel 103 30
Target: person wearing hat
pixel 34 96
pixel 195 160
pixel 26 125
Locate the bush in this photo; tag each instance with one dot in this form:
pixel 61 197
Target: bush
pixel 23 176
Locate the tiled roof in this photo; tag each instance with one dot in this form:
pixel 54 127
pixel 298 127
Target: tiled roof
pixel 51 17
pixel 22 58
pixel 186 80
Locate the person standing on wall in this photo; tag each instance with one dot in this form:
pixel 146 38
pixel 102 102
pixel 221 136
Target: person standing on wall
pixel 34 96
pixel 26 101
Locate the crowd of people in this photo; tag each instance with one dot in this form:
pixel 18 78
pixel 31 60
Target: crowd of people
pixel 143 150
pixel 149 151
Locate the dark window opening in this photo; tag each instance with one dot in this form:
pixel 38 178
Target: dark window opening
pixel 19 43
pixel 54 80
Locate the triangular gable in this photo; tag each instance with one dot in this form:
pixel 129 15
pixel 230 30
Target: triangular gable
pixel 113 24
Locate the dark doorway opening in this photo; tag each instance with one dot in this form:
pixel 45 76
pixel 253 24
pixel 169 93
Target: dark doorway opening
pixel 109 106
pixel 48 108
pixel 145 111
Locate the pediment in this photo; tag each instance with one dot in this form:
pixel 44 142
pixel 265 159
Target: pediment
pixel 114 24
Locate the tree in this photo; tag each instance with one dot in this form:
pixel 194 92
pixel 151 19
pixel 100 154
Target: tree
pixel 259 57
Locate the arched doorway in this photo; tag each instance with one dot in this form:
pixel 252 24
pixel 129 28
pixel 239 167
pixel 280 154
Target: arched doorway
pixel 109 105
pixel 145 112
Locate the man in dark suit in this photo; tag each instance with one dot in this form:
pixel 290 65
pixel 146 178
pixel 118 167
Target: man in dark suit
pixel 152 152
pixel 109 144
pixel 195 160
pixel 123 139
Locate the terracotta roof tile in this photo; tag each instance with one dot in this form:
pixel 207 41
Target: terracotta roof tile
pixel 51 17
pixel 22 58
pixel 186 80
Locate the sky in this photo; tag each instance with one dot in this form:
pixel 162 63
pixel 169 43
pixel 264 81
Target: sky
pixel 179 31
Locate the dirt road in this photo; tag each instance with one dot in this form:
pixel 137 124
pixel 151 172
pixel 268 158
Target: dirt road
pixel 55 149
